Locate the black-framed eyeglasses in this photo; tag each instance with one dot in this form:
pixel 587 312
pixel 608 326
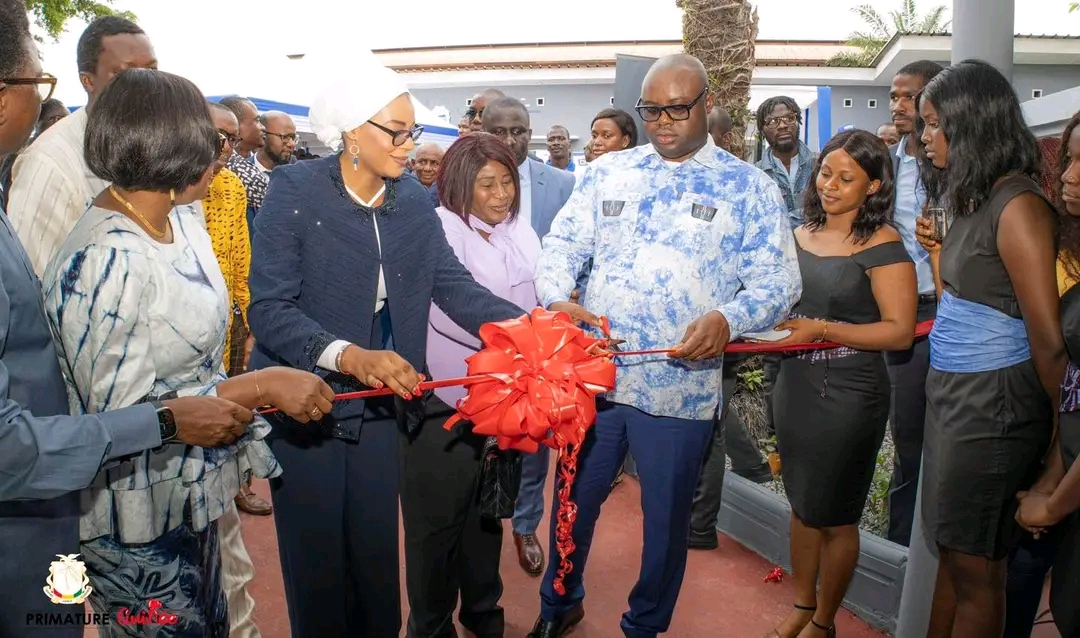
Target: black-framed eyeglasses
pixel 226 138
pixel 46 84
pixel 676 112
pixel 790 119
pixel 474 113
pixel 285 137
pixel 401 136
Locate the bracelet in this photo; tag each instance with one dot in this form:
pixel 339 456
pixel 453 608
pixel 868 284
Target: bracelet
pixel 255 377
pixel 340 356
pixel 824 331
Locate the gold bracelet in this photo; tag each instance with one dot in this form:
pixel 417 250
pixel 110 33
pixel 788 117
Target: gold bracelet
pixel 255 377
pixel 824 330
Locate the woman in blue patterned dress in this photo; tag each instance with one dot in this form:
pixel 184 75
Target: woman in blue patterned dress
pixel 138 308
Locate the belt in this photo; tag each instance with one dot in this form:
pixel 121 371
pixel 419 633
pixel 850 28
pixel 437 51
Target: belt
pixel 928 298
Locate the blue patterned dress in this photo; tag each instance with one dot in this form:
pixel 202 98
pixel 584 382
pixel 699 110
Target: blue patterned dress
pixel 133 319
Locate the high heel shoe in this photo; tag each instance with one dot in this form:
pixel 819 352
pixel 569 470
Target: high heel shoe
pixel 804 608
pixel 830 632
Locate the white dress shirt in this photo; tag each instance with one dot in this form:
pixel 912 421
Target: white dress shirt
pixel 525 184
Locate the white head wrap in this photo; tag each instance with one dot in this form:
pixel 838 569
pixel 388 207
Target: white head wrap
pixel 347 104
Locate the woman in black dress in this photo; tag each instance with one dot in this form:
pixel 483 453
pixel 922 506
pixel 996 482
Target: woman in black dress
pixel 832 406
pixel 997 357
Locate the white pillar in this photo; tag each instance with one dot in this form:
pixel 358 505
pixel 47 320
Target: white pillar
pixel 983 29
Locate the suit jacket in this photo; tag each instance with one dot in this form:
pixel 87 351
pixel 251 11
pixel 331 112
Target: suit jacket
pixel 45 454
pixel 551 187
pixel 314 276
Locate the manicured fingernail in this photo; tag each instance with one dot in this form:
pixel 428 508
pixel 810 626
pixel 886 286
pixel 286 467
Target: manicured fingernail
pixel 378 384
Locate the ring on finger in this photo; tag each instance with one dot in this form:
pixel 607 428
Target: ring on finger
pixel 316 413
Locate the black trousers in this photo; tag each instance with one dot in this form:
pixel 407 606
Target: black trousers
pixel 907 419
pixel 449 548
pixel 336 514
pixel 730 439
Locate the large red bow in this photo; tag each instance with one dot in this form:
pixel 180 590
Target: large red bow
pixel 540 380
pixel 539 377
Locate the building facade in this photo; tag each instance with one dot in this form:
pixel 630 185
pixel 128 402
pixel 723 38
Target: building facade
pixel 568 83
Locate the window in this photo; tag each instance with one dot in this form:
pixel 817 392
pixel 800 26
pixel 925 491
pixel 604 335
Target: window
pixel 468 102
pixel 1036 94
pixel 539 101
pixel 847 103
pixel 612 100
pixel 871 104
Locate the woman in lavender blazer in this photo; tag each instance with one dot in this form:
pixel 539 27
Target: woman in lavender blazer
pixel 449 547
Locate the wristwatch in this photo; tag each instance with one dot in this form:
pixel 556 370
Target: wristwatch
pixel 166 422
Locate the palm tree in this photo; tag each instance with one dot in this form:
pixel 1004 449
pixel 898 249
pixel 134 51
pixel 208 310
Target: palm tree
pixel 721 33
pixel 879 31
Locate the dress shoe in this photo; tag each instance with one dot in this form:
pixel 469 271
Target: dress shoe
pixel 703 540
pixel 530 553
pixel 547 629
pixel 250 502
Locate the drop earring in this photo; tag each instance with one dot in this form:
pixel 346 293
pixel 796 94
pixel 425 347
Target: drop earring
pixel 172 198
pixel 354 150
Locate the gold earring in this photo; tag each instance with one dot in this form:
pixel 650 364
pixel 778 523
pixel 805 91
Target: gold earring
pixel 172 197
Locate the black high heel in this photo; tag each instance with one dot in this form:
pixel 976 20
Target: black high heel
pixel 776 634
pixel 830 632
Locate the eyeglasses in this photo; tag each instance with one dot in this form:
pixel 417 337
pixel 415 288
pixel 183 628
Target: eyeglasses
pixel 400 137
pixel 790 119
pixel 285 137
pixel 676 112
pixel 46 84
pixel 473 113
pixel 226 138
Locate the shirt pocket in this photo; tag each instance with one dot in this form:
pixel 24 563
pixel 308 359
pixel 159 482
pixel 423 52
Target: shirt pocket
pixel 699 223
pixel 616 217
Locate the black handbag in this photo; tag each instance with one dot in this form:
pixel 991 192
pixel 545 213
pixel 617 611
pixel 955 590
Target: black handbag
pixel 500 481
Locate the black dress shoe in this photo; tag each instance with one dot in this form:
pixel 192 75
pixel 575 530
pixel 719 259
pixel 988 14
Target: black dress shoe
pixel 547 629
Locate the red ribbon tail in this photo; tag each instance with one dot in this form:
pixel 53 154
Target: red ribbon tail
pixel 566 516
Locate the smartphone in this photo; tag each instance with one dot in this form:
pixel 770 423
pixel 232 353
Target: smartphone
pixel 939 220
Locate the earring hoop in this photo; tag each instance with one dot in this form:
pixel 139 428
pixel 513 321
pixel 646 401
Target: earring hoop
pixel 354 150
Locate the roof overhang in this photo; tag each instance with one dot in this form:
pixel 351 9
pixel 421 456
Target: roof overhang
pixel 779 63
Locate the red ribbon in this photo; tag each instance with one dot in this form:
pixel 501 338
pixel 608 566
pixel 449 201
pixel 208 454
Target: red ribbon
pixel 535 383
pixel 540 381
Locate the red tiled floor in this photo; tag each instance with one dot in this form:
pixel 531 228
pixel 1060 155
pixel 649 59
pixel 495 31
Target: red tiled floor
pixel 723 595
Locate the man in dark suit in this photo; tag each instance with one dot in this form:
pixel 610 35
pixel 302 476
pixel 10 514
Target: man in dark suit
pixel 46 456
pixel 907 370
pixel 544 190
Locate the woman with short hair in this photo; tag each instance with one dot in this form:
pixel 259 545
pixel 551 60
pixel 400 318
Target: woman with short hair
pixel 138 309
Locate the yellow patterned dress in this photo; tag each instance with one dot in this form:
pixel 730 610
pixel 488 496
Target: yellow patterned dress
pixel 226 221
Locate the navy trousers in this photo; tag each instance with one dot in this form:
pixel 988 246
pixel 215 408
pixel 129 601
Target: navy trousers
pixel 668 453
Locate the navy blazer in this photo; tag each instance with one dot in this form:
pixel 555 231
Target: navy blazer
pixel 315 267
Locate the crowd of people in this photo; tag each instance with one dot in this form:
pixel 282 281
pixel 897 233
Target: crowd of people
pixel 170 270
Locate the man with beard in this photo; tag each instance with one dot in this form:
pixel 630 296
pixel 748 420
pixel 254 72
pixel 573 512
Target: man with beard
pixel 691 247
pixel 279 137
pixel 787 161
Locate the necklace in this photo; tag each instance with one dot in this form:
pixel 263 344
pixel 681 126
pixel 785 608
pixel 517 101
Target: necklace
pixel 160 234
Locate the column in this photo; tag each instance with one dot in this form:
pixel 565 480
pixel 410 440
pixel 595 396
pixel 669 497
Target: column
pixel 913 619
pixel 983 29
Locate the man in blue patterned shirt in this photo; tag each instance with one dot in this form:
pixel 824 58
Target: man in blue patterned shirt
pixel 691 247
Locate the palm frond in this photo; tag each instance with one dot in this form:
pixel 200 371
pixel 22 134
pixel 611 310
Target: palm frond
pixel 934 22
pixel 866 42
pixel 852 59
pixel 873 19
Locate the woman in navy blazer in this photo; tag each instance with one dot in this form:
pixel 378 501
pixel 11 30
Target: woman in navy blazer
pixel 344 254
